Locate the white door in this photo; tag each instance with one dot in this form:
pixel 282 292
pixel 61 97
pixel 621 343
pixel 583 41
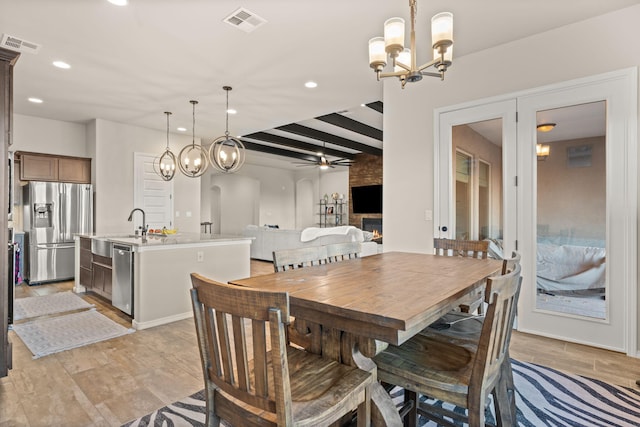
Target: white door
pixel 152 194
pixel 578 212
pixel 476 173
pixel 543 219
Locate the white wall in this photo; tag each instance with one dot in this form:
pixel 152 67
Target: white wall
pixel 40 135
pixel 277 200
pixel 114 148
pixel 563 54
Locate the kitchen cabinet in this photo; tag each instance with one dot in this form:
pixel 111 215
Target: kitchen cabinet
pixel 86 264
pixel 101 278
pixel 47 167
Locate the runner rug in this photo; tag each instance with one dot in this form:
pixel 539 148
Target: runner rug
pixel 30 307
pixel 544 397
pixel 54 334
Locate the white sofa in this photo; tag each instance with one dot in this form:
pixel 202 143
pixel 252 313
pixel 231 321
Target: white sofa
pixel 267 239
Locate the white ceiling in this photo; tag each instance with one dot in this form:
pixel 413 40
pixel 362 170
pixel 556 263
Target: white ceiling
pixel 130 64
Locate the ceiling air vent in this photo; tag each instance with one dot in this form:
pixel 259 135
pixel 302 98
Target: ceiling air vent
pixel 19 45
pixel 245 20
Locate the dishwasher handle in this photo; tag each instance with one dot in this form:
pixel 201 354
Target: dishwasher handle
pixel 122 248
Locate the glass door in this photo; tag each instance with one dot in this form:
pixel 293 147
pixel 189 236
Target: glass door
pixel 577 222
pixel 476 178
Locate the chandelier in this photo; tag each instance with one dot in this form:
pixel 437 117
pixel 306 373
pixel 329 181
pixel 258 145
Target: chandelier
pixel 192 160
pixel 166 166
pixel 404 59
pixel 227 152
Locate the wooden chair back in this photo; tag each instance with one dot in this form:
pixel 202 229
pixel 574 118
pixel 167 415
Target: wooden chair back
pixel 466 248
pixel 220 312
pixel 508 264
pixel 503 292
pixel 342 251
pixel 288 259
pixel 253 378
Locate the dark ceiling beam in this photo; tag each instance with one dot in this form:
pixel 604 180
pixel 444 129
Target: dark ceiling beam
pixel 329 138
pixel 352 125
pixel 294 143
pixel 377 105
pixel 277 151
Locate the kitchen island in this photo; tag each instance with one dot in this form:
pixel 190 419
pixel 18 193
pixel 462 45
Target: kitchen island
pixel 162 266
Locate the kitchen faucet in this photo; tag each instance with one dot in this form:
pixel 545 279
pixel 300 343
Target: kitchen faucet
pixel 144 220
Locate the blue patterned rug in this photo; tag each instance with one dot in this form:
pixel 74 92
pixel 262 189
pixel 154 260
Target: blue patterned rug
pixel 544 397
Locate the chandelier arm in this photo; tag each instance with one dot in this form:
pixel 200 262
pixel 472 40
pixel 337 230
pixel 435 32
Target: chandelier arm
pixel 401 65
pixel 394 74
pixel 430 64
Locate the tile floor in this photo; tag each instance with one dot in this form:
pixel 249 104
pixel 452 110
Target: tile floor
pixel 112 382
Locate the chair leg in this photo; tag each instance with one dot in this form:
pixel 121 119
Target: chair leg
pixel 212 419
pixel 476 413
pixel 411 418
pixel 364 410
pixel 505 396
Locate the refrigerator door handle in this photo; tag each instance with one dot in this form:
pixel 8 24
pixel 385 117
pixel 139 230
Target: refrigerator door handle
pixel 55 246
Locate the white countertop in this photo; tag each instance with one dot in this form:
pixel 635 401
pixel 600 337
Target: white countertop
pixel 169 241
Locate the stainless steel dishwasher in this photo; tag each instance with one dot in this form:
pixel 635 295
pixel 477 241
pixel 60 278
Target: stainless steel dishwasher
pixel 122 290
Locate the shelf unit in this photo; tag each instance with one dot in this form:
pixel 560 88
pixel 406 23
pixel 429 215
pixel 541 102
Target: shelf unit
pixel 332 212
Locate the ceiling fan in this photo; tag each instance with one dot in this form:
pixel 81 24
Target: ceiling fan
pixel 322 161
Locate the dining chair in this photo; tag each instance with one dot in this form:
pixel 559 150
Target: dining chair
pixel 342 251
pixel 301 332
pixel 467 326
pixel 465 248
pixel 289 259
pixel 459 371
pixel 253 377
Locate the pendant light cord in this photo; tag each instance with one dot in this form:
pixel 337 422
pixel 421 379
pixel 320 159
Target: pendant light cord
pixel 168 113
pixel 226 131
pixel 193 134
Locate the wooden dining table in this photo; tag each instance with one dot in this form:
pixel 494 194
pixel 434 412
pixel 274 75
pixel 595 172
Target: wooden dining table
pixel 353 309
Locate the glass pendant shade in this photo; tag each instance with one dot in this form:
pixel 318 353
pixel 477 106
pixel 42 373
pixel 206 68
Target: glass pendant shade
pixel 404 58
pixel 193 161
pixel 442 28
pixel 167 162
pixel 226 152
pixel 377 54
pixel 394 36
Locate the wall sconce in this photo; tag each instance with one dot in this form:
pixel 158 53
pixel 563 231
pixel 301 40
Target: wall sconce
pixel 542 151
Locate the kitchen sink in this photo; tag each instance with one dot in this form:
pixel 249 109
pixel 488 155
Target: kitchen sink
pixel 102 247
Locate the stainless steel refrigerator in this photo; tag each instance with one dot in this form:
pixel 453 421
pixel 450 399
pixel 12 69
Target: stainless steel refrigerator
pixel 53 213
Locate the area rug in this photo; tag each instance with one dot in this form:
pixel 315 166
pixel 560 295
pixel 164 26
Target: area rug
pixel 56 334
pixel 544 397
pixel 27 308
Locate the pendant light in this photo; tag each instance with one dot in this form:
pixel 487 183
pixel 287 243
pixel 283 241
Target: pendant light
pixel 166 166
pixel 192 160
pixel 227 152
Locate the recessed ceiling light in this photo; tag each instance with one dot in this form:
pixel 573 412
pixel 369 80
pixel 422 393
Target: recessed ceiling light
pixel 61 64
pixel 119 2
pixel 35 100
pixel 181 129
pixel 232 111
pixel 311 84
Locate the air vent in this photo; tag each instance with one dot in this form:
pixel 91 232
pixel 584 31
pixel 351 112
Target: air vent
pixel 244 20
pixel 19 45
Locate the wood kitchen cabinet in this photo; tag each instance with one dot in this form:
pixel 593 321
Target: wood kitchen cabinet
pixel 101 283
pixel 47 167
pixel 86 265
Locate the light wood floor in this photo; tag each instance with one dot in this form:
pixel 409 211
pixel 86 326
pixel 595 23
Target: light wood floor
pixel 112 382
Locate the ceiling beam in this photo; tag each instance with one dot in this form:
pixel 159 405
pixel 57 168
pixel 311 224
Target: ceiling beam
pixel 376 105
pixel 277 151
pixel 331 139
pixel 294 143
pixel 352 125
